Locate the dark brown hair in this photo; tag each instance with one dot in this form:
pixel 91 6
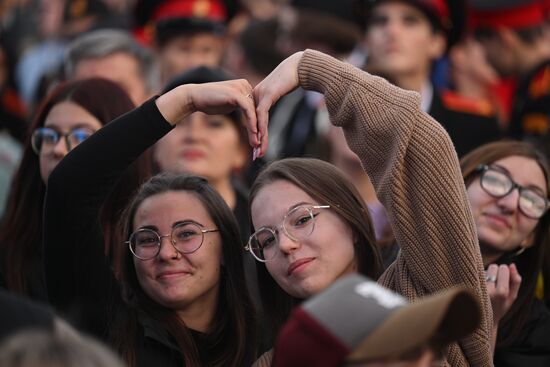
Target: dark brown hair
pixel 232 333
pixel 529 262
pixel 21 231
pixel 328 185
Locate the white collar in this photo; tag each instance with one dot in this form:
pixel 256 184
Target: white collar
pixel 427 94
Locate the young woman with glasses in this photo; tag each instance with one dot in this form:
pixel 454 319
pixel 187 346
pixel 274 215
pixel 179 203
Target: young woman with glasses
pixel 175 293
pixel 508 184
pixel 70 114
pixel 311 226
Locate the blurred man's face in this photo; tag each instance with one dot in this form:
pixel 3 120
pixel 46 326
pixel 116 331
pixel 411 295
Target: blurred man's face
pixel 188 51
pixel 401 41
pixel 120 68
pixel 499 55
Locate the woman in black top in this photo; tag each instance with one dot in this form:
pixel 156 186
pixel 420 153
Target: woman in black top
pixel 513 231
pixel 71 113
pixel 178 302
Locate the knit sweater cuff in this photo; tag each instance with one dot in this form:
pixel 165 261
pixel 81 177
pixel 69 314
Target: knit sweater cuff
pixel 315 68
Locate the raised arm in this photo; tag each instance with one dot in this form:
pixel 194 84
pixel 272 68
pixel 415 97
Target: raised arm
pixel 415 171
pixel 77 273
pixel 76 270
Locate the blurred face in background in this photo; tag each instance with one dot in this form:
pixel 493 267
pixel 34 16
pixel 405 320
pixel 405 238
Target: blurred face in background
pixel 50 17
pixel 64 118
pixel 185 52
pixel 471 72
pixel 401 41
pixel 118 67
pixel 499 54
pixel 204 145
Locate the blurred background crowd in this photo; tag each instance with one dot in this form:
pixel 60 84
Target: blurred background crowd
pixel 482 68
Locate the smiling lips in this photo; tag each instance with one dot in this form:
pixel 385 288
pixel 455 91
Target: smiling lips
pixel 165 275
pixel 296 265
pixel 498 220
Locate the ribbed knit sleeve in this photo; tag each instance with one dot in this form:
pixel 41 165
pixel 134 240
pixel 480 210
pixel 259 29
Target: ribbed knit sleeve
pixel 414 168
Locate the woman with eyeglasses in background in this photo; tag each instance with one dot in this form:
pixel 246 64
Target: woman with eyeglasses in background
pixel 508 184
pixel 68 116
pixel 312 227
pixel 175 292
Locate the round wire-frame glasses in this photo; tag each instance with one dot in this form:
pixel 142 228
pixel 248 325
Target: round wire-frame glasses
pixel 186 237
pixel 297 224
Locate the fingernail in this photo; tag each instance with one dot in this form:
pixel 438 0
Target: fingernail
pixel 255 153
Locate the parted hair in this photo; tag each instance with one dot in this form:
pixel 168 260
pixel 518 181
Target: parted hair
pixel 328 185
pixel 231 335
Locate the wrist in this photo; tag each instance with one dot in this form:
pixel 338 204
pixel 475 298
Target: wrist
pixel 176 104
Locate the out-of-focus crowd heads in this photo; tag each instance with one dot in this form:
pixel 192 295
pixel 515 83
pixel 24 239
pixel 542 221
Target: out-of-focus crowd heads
pixel 481 69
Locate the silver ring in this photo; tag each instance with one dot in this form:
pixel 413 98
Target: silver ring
pixel 491 278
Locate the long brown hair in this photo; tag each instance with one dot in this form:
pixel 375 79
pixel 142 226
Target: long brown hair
pixel 529 262
pixel 232 333
pixel 21 230
pixel 329 186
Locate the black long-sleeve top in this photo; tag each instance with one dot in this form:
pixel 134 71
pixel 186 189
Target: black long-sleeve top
pixel 78 275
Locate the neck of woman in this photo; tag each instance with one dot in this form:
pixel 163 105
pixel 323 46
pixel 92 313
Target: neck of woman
pixel 414 81
pixel 226 190
pixel 198 316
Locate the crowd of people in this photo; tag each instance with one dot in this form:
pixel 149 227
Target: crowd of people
pixel 275 183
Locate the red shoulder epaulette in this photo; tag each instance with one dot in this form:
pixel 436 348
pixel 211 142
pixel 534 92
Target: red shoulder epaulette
pixel 459 103
pixel 540 84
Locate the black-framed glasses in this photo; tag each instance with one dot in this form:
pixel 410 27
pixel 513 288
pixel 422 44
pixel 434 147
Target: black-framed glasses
pixel 499 184
pixel 298 223
pixel 186 237
pixel 44 139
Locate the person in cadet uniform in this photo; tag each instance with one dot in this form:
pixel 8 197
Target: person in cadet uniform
pixel 404 38
pixel 515 36
pixel 184 33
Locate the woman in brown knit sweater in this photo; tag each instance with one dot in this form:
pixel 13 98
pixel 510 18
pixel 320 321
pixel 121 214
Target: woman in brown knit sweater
pixel 307 235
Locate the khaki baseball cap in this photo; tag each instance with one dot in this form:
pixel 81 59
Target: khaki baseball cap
pixel 356 319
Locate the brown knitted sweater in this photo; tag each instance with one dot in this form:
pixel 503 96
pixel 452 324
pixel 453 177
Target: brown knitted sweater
pixel 414 168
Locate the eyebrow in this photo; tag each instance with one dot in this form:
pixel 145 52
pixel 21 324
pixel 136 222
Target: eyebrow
pixel 79 125
pixel 151 227
pixel 289 209
pixel 184 221
pixel 530 186
pixel 297 205
pixel 187 221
